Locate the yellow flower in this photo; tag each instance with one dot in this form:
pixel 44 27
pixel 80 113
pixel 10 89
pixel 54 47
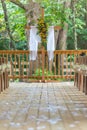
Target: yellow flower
pixel 42 29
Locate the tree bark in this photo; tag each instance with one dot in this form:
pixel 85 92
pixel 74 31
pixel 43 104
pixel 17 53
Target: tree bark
pixel 62 36
pixel 86 14
pixel 32 9
pixel 74 23
pixel 12 45
pixel 32 14
pixel 17 2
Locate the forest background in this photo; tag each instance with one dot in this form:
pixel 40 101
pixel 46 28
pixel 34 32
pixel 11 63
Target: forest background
pixel 71 15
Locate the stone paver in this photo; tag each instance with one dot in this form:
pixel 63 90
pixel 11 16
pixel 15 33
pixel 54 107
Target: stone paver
pixel 43 106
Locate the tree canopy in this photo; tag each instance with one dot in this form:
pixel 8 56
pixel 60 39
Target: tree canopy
pixel 71 15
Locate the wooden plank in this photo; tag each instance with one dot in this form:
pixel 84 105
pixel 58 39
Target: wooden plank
pixel 27 65
pixel 56 51
pixel 46 106
pixel 66 64
pixel 62 63
pixel 57 27
pixel 15 64
pixel 55 119
pixel 58 64
pixel 42 13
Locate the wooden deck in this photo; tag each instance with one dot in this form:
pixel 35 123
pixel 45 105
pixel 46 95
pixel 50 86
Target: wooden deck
pixel 43 106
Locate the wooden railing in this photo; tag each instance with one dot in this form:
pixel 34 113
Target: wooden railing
pixel 4 70
pixel 80 68
pixel 42 69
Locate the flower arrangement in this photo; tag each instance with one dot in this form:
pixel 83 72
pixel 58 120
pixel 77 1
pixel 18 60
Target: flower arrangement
pixel 42 27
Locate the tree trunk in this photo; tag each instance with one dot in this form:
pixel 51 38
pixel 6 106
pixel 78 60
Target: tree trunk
pixel 32 14
pixel 62 36
pixel 12 45
pixel 74 23
pixel 32 9
pixel 86 14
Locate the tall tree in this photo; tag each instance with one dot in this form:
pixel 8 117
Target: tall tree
pixel 74 2
pixel 86 13
pixel 32 11
pixel 62 36
pixel 12 45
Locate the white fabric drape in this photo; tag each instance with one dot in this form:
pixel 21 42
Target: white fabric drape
pixel 33 42
pixel 35 39
pixel 50 42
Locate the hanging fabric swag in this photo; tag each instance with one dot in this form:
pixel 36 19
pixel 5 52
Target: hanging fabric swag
pixel 35 39
pixel 50 42
pixel 33 42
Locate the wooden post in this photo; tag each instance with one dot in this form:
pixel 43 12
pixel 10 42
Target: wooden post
pixel 81 85
pixel 0 83
pixel 42 12
pixel 43 56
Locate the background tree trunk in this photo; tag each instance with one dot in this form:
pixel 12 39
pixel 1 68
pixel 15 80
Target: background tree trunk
pixel 86 14
pixel 62 36
pixel 32 14
pixel 32 9
pixel 12 45
pixel 74 23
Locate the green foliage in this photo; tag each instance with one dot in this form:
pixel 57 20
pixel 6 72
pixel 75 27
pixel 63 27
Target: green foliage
pixel 21 45
pixel 61 79
pixel 4 43
pixel 80 25
pixel 55 14
pixel 16 80
pixel 17 22
pixel 38 72
pixel 70 58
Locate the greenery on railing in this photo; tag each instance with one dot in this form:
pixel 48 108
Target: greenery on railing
pixel 70 57
pixel 38 72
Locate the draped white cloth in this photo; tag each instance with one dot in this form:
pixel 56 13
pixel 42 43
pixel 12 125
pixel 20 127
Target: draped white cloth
pixel 35 39
pixel 33 42
pixel 51 43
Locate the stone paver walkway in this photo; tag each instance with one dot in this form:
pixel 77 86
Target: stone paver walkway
pixel 43 106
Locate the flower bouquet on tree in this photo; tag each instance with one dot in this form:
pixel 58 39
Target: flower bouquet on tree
pixel 42 27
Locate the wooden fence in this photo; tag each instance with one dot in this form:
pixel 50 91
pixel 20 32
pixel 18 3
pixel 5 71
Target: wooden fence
pixel 41 69
pixel 4 80
pixel 81 73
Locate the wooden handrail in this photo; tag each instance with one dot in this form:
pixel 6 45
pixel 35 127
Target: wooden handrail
pixel 21 64
pixel 27 51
